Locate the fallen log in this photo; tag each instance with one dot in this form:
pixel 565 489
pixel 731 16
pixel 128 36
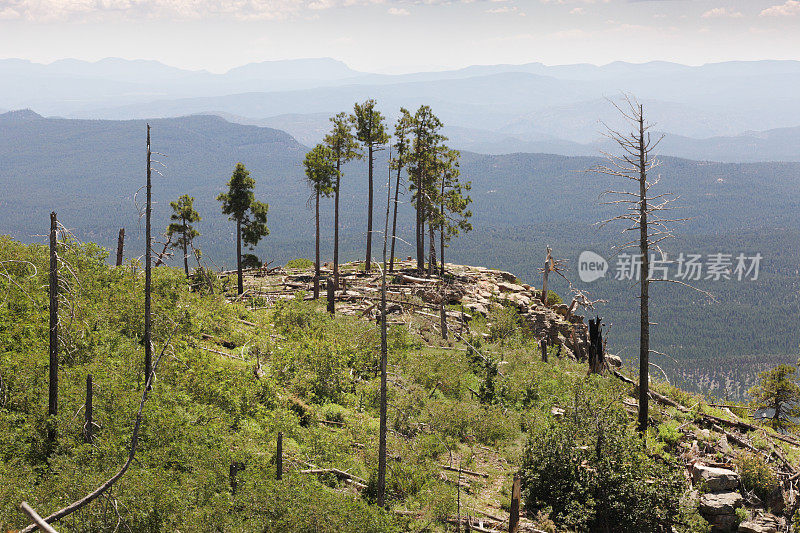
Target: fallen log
pixel 221 342
pixel 412 279
pixel 341 474
pixel 232 356
pixel 463 471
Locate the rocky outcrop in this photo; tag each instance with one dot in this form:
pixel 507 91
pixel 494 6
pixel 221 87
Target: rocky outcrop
pixel 719 509
pixel 718 506
pixel 714 479
pixel 715 504
pixel 766 523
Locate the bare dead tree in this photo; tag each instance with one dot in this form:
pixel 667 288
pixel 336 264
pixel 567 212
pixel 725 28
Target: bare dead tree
pixel 86 500
pixel 165 254
pixel 549 266
pixel 88 421
pixel 120 246
pixel 52 406
pixel 643 213
pixel 384 354
pixel 148 364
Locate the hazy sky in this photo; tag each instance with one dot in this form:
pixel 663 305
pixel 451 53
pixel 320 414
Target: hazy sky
pixel 400 35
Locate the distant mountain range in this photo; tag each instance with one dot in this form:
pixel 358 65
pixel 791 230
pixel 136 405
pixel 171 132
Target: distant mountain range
pixel 490 109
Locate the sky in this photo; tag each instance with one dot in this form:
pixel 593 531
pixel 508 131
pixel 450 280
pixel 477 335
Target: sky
pixel 394 36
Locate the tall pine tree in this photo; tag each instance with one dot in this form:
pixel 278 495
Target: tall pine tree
pixel 183 215
pixel 321 174
pixel 371 132
pixel 426 140
pixel 240 205
pixel 402 143
pixel 344 147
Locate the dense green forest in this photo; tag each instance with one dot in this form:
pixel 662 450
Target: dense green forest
pixel 521 204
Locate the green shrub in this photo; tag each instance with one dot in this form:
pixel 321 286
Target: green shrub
pixel 668 433
pixel 332 412
pixel 553 299
pixel 301 264
pixel 590 472
pixel 757 476
pixel 250 261
pixel 294 315
pixel 504 323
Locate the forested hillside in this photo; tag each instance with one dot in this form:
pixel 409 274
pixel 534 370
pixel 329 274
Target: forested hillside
pixel 235 377
pixel 521 204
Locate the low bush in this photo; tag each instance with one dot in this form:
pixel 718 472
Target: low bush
pixel 590 471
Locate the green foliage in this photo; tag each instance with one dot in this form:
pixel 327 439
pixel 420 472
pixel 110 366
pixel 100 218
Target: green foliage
pixel 300 365
pixel 342 142
pixel 757 476
pixel 777 391
pixel 504 323
pixel 240 205
pixel 591 472
pixel 553 299
pixel 321 173
pixel 369 124
pixel 668 433
pixel 183 215
pixel 300 264
pixel 741 515
pixel 250 261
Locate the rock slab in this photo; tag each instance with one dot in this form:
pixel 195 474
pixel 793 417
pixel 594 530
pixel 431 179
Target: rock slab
pixel 715 479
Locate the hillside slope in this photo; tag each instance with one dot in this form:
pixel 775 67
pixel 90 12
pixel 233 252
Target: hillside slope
pixel 465 416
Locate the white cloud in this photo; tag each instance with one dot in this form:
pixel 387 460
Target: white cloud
pixel 577 11
pixel 788 9
pixel 722 12
pixel 504 9
pixel 399 11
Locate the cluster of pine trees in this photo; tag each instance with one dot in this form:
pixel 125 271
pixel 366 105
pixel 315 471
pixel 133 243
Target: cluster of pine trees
pixel 417 152
pixel 417 149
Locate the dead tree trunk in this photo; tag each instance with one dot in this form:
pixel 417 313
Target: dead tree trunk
pixel 331 297
pixel 543 349
pixel 443 316
pixel 644 322
pixel 643 212
pixel 148 347
pixel 52 406
pixel 336 225
pixel 120 246
pixel 420 234
pixel 441 229
pixel 394 216
pixel 513 517
pixel 432 250
pixel 548 266
pixel 279 458
pixel 384 358
pixel 597 359
pixel 316 254
pixel 160 259
pixel 88 418
pixel 239 279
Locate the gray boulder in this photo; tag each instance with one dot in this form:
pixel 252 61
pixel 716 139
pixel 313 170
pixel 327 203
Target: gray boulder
pixel 720 503
pixel 762 524
pixel 715 479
